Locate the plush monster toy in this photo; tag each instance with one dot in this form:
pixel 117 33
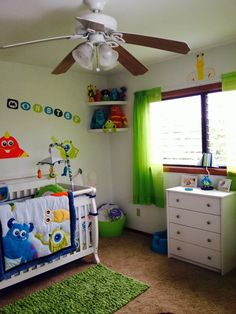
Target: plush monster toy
pixel 109 126
pixel 118 117
pixel 98 119
pixel 91 92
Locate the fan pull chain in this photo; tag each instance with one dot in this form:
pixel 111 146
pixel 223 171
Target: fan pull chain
pixel 97 63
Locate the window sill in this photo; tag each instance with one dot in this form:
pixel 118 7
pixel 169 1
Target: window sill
pixel 195 170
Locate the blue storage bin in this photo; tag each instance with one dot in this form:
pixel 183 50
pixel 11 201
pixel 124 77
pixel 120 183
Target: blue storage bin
pixel 159 242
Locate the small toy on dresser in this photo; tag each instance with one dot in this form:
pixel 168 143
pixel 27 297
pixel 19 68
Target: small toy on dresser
pixel 206 183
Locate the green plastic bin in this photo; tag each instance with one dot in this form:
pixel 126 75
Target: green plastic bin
pixel 108 229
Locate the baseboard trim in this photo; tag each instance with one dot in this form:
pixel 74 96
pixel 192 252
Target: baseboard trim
pixel 138 231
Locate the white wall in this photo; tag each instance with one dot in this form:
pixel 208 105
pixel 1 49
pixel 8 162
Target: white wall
pixel 108 157
pixel 170 75
pixel 33 131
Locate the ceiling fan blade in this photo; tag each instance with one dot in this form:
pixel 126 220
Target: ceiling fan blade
pixel 130 62
pixel 98 27
pixel 155 42
pixel 65 64
pixel 41 40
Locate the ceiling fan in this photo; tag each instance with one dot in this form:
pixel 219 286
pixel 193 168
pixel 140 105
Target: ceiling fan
pixel 103 44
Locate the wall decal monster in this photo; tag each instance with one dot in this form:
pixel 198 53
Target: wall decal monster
pixel 10 148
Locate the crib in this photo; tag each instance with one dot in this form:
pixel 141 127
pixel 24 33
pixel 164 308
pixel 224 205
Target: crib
pixel 86 225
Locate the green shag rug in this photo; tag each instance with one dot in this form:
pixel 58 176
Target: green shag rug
pixel 97 290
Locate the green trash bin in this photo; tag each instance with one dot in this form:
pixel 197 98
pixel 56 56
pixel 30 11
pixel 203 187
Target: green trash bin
pixel 111 228
pixel 111 220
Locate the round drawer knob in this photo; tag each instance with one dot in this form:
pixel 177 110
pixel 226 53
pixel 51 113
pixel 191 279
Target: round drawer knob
pixel 178 248
pixel 177 200
pixel 177 216
pixel 209 258
pixel 208 222
pixel 178 232
pixel 208 240
pixel 208 205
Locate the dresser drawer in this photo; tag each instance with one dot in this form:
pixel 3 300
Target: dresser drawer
pixel 194 219
pixel 195 253
pixel 203 204
pixel 195 236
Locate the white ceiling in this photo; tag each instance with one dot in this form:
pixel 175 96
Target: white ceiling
pixel 200 23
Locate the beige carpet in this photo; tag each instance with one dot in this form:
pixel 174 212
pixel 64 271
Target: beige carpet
pixel 176 287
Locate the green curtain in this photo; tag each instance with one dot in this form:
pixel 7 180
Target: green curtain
pixel 229 84
pixel 148 183
pixel 228 81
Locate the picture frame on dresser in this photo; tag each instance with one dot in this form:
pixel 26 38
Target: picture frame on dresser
pixel 189 181
pixel 224 185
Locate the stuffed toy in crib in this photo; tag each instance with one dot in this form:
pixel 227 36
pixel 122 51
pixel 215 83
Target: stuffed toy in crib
pixel 118 117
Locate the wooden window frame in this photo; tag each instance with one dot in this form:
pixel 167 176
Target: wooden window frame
pixel 191 91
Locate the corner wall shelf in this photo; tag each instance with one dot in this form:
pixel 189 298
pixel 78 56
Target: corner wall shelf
pixel 109 131
pixel 107 103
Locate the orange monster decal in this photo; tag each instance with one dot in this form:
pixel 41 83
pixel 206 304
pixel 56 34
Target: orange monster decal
pixel 9 147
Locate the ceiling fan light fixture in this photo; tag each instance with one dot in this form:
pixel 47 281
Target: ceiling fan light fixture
pixel 95 5
pixel 107 56
pixel 83 55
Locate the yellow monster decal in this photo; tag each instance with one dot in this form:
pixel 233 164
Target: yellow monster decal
pixel 58 240
pixel 71 150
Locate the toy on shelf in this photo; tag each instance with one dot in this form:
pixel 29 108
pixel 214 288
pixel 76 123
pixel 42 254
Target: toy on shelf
pixel 98 95
pixel 114 95
pixel 98 119
pixel 105 95
pixel 109 126
pixel 91 92
pixel 122 93
pixel 118 117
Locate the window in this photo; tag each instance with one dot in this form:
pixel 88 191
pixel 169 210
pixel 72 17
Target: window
pixel 222 126
pixel 182 128
pixel 176 131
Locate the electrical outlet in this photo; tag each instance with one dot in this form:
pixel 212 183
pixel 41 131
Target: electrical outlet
pixel 138 212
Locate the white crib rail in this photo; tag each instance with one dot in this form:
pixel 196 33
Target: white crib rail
pixel 86 212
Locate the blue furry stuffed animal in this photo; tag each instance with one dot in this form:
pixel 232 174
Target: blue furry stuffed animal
pixel 98 119
pixel 17 248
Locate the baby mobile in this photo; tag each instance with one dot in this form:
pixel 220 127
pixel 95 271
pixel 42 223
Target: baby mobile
pixel 67 152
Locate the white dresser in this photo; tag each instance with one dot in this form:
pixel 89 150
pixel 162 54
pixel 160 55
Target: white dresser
pixel 201 227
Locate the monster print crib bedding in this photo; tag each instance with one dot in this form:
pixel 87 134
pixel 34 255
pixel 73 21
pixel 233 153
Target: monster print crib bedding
pixel 47 232
pixel 34 231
